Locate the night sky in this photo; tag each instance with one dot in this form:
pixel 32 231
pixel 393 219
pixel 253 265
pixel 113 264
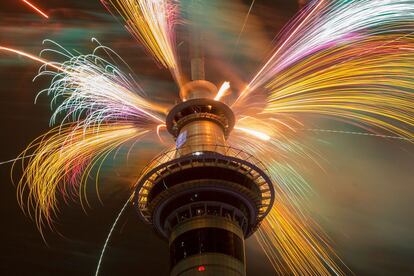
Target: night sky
pixel 364 197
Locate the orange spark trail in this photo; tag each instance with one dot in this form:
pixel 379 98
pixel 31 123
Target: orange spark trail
pixel 32 57
pixel 35 8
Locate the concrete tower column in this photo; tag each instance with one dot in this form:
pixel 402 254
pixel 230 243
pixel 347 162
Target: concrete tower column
pixel 212 245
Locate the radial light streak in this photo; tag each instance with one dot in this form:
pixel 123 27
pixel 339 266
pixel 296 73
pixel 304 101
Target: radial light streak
pixel 36 9
pixel 32 57
pixel 92 86
pixel 351 60
pixel 159 128
pixel 15 159
pixel 330 23
pixel 107 109
pixel 374 89
pixel 224 87
pixel 63 159
pixel 98 267
pixel 358 133
pixel 255 133
pixel 292 241
pixel 244 24
pixel 275 54
pixel 152 22
pixel 347 60
pixel 279 150
pixel 302 246
pixel 101 88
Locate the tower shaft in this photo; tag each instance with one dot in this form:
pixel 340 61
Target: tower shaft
pixel 208 240
pixel 212 245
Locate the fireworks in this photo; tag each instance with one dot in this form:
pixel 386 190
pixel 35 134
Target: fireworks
pixel 326 24
pixel 93 86
pixel 303 250
pixel 347 60
pixel 364 87
pixel 99 108
pixel 294 243
pixel 63 158
pixel 151 22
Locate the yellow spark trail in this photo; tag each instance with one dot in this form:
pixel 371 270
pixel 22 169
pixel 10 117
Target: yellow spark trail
pixel 372 87
pixel 60 163
pixel 152 23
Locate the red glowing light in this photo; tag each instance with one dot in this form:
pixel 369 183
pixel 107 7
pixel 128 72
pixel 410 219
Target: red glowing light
pixel 201 268
pixel 35 8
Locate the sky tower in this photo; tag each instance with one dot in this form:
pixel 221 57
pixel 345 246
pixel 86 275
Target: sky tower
pixel 203 196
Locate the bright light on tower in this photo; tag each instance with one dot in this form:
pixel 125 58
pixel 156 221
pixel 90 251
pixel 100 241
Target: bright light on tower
pixel 224 87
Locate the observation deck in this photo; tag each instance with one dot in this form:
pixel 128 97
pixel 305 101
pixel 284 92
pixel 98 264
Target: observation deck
pixel 205 169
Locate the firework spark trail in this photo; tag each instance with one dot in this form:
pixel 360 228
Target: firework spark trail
pixel 351 60
pixel 56 156
pixel 359 133
pixel 15 159
pixel 107 110
pixel 91 85
pixel 331 23
pixel 36 9
pixel 373 90
pixel 296 246
pixel 277 147
pixel 32 57
pixel 151 22
pixel 292 241
pixel 316 68
pixel 255 133
pixel 243 26
pixel 302 19
pixel 108 238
